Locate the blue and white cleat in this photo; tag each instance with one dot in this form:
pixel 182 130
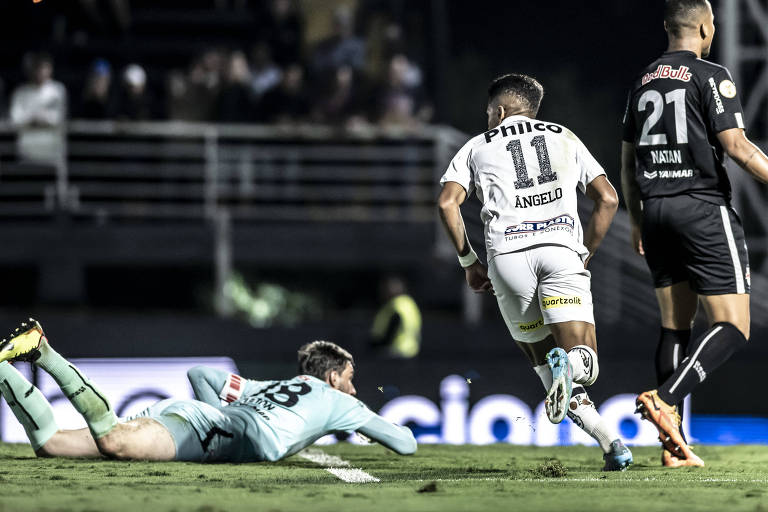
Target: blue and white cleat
pixel 559 393
pixel 619 458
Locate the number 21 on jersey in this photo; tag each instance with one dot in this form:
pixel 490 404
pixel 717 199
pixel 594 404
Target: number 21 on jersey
pixel 655 99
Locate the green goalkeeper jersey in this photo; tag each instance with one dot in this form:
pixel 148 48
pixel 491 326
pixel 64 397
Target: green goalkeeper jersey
pixel 279 418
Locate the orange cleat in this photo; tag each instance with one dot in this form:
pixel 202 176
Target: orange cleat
pixel 669 460
pixel 667 421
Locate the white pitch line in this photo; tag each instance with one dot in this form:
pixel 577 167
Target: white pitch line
pixel 338 467
pixel 357 476
pixel 595 479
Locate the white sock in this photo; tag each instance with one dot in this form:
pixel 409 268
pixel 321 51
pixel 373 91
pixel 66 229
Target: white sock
pixel 584 363
pixel 583 413
pixel 545 374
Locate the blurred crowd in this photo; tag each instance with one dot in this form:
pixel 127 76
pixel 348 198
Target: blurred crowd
pixel 343 78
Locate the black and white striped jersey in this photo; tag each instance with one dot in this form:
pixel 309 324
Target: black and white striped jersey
pixel 675 109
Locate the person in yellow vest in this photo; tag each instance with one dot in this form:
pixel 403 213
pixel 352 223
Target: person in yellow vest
pixel 396 329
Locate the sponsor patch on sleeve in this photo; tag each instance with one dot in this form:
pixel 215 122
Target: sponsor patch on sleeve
pixel 558 302
pixel 727 88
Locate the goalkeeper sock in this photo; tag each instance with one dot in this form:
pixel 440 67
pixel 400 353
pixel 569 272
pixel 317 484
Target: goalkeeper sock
pixel 669 353
pixel 583 413
pixel 86 399
pixel 28 405
pixel 707 353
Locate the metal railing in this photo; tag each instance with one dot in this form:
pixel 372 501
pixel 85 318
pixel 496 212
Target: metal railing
pixel 219 174
pixel 259 173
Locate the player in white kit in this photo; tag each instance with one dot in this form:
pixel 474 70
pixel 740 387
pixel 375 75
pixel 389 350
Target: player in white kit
pixel 525 173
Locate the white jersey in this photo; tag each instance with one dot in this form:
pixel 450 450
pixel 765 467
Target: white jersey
pixel 525 173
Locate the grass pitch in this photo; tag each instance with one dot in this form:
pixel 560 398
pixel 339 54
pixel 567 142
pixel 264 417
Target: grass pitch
pixel 437 478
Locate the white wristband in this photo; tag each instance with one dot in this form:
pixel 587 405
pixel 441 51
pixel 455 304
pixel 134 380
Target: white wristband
pixel 468 259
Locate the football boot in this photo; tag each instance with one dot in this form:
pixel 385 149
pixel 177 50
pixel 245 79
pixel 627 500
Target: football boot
pixel 559 394
pixel 23 343
pixel 619 458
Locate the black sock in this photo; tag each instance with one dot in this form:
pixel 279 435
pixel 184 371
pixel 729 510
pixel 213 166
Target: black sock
pixel 670 352
pixel 706 354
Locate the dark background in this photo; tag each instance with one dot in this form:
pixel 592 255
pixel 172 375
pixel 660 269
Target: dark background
pixel 584 53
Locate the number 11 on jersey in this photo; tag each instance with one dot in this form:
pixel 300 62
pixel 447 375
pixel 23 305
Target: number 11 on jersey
pixel 546 176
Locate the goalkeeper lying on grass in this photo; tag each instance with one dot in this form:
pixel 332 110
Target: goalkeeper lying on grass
pixel 264 420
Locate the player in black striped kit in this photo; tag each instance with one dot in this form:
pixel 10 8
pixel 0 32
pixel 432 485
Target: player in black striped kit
pixel 683 115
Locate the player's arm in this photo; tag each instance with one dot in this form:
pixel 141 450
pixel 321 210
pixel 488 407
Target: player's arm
pixel 725 117
pixel 449 205
pixel 602 193
pixel 631 192
pixel 208 383
pixel 395 437
pixel 745 153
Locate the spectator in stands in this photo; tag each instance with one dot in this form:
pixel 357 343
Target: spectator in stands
pixel 177 95
pixel 342 102
pixel 396 330
pixel 135 101
pixel 212 64
pixel 385 40
pixel 400 100
pixel 236 100
pixel 97 101
pixel 342 48
pixel 203 86
pixel 265 74
pixel 287 103
pixel 282 29
pixel 39 110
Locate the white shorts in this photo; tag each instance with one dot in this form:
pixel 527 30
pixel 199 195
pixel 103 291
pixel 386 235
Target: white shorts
pixel 539 286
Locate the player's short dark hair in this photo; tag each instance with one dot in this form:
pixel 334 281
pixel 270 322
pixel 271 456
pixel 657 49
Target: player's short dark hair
pixel 319 358
pixel 523 88
pixel 680 15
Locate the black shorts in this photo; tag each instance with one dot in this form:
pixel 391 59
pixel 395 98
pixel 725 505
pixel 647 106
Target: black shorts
pixel 689 239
